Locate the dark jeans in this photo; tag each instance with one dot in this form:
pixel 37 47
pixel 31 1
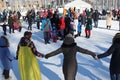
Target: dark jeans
pixel 38 24
pixel 115 76
pixel 6 73
pixel 62 33
pixel 11 29
pixel 29 25
pixel 96 24
pixel 46 37
pixel 4 29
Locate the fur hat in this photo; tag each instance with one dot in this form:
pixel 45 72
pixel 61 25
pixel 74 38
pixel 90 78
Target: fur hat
pixel 69 39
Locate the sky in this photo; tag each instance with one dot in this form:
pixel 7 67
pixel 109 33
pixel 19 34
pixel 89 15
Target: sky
pixel 51 69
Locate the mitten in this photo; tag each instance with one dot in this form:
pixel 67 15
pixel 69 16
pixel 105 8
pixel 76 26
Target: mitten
pixel 46 56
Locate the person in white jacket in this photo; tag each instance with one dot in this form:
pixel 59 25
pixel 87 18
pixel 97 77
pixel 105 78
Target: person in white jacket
pixel 109 20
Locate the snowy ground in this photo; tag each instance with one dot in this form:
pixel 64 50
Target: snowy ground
pixel 51 69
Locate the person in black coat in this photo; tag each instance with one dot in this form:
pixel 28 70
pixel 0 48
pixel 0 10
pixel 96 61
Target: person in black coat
pixel 69 49
pixel 115 58
pixel 10 23
pixel 95 16
pixel 68 25
pixel 4 25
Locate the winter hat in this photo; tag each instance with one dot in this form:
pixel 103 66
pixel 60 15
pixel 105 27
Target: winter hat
pixel 69 39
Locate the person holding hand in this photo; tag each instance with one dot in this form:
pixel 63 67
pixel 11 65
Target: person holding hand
pixel 26 55
pixel 114 50
pixel 69 49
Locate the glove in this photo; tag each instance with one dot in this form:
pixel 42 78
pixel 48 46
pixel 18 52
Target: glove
pixel 46 56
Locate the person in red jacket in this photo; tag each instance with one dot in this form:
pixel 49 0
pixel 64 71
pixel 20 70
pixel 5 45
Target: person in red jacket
pixel 62 26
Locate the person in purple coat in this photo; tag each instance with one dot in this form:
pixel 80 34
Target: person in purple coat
pixel 5 56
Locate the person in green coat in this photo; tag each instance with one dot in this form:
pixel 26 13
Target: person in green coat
pixel 88 27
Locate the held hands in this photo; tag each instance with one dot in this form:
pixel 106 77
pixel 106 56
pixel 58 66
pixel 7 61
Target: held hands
pixel 95 57
pixel 41 55
pixel 46 56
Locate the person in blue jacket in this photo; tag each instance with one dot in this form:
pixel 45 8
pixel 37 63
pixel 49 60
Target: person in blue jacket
pixel 5 56
pixel 47 28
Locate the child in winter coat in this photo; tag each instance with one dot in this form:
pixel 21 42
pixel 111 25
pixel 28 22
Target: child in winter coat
pixel 54 34
pixel 114 50
pixel 20 25
pixel 88 27
pixel 47 28
pixel 38 20
pixel 4 27
pixel 79 26
pixel 69 49
pixel 10 23
pixel 5 57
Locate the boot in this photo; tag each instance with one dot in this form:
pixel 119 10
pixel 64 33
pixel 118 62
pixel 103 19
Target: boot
pixel 10 78
pixel 76 36
pixel 107 27
pixel 79 34
pixel 6 74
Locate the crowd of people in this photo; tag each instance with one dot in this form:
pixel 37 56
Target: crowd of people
pixel 60 24
pixel 64 26
pixel 26 55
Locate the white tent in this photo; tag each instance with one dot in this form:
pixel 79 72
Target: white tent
pixel 79 4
